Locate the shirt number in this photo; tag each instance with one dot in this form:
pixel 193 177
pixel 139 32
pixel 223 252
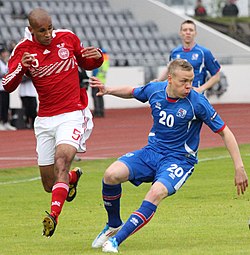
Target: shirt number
pixel 76 134
pixel 166 120
pixel 175 171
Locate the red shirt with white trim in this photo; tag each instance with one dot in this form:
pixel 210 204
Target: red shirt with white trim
pixel 54 72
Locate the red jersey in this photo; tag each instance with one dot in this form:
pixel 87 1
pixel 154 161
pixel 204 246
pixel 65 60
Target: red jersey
pixel 54 72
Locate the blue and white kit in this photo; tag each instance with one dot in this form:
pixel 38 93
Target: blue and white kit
pixel 200 58
pixel 172 153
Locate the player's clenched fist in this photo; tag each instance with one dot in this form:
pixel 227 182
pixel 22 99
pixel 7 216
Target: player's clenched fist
pixel 27 59
pixel 91 52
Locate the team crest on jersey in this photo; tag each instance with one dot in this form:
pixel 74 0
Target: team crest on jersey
pixel 63 53
pixel 181 113
pixel 195 56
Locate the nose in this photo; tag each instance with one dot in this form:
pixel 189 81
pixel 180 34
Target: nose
pixel 47 33
pixel 188 84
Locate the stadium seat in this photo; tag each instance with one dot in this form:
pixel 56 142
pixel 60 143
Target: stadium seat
pixel 97 24
pixel 118 33
pixel 109 34
pixel 134 46
pixel 7 7
pixel 89 33
pixel 99 33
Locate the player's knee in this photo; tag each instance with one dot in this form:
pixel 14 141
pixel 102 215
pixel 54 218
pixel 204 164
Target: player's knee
pixel 47 188
pixel 112 177
pixel 156 194
pixel 47 184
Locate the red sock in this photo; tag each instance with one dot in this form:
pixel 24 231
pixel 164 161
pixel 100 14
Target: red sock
pixel 59 195
pixel 72 177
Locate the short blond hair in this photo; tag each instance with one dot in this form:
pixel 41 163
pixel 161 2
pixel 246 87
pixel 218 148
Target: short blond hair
pixel 178 64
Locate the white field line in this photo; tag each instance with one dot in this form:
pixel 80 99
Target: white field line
pixel 38 177
pixel 21 181
pixel 18 158
pixel 34 158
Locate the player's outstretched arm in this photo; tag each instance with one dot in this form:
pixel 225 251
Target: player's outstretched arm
pixel 123 92
pixel 241 179
pixel 209 84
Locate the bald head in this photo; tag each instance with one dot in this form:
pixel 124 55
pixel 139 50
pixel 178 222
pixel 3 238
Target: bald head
pixel 40 26
pixel 38 16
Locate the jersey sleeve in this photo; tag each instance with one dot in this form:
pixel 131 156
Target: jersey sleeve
pixel 142 93
pixel 211 63
pixel 15 71
pixel 208 115
pixel 85 63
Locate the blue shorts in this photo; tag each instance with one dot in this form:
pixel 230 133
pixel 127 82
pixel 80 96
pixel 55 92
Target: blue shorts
pixel 147 165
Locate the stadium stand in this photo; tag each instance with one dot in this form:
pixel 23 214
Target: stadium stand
pixel 128 42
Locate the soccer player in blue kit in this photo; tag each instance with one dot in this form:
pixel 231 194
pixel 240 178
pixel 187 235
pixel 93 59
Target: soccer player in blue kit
pixel 198 56
pixel 168 160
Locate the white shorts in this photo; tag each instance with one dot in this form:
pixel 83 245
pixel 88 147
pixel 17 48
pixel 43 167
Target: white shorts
pixel 72 128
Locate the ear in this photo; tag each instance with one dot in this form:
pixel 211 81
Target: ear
pixel 30 29
pixel 169 79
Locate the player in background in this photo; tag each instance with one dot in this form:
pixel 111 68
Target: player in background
pixel 51 58
pixel 200 58
pixel 168 160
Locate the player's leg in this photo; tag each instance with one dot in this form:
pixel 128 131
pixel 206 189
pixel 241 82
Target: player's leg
pixel 115 174
pixel 62 141
pixel 74 130
pixel 138 218
pixel 170 176
pixel 63 158
pixel 136 171
pixel 47 177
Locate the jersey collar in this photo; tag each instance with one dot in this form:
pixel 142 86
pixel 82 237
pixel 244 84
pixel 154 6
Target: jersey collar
pixel 28 35
pixel 188 49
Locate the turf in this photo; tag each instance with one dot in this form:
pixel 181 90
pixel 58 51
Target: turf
pixel 204 217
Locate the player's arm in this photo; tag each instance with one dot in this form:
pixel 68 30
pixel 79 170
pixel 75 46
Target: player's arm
pixel 123 92
pixel 209 84
pixel 90 58
pixel 241 179
pixel 163 76
pixel 18 65
pixel 213 67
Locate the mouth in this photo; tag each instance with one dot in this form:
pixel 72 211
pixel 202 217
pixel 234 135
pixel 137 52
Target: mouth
pixel 48 41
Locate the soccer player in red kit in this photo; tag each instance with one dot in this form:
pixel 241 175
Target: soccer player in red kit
pixel 51 58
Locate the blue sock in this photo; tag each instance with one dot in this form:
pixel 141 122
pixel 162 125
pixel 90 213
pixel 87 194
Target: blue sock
pixel 111 195
pixel 137 220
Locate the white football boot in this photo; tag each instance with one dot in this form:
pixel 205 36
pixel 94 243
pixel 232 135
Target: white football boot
pixel 110 246
pixel 106 233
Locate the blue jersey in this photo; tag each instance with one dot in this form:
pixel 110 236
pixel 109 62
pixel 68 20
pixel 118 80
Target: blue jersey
pixel 200 58
pixel 177 122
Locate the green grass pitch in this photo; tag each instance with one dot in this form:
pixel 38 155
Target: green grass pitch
pixel 204 217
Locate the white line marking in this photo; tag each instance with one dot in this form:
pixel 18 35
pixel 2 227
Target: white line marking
pixel 18 158
pixel 34 158
pixel 38 178
pixel 21 181
pixel 218 158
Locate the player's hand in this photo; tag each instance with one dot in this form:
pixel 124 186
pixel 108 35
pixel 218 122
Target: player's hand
pixel 96 83
pixel 91 52
pixel 241 180
pixel 27 59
